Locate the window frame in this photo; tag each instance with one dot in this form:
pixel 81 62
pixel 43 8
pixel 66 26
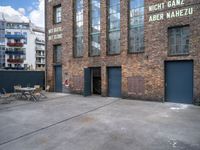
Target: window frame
pixel 169 46
pixel 91 32
pixel 138 26
pixel 75 35
pixel 109 31
pixel 55 14
pixel 55 62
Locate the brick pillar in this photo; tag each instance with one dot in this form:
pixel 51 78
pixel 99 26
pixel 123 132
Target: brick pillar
pixel 68 37
pixel 103 46
pixel 124 43
pixel 86 33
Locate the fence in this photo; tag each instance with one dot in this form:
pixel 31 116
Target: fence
pixel 24 78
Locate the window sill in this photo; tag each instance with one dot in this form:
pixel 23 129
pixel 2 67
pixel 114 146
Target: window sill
pixel 113 54
pixel 142 52
pixel 94 56
pixel 176 55
pixel 77 57
pixel 57 23
pixel 57 64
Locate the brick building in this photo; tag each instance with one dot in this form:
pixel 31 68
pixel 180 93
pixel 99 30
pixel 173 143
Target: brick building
pixel 125 48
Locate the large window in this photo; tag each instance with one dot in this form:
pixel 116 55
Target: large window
pixel 57 10
pixel 95 27
pixel 114 26
pixel 78 29
pixel 136 26
pixel 57 53
pixel 178 40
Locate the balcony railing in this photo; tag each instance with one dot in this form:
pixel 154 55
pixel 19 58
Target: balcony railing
pixel 14 68
pixel 16 60
pixel 40 62
pixel 40 47
pixel 40 55
pixel 15 36
pixel 15 44
pixel 15 52
pixel 39 41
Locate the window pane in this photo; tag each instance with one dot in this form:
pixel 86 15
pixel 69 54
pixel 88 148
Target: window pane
pixel 57 14
pixel 79 46
pixel 114 26
pixel 78 42
pixel 114 14
pixel 136 31
pixel 178 40
pixel 95 45
pixel 114 42
pixel 57 53
pixel 95 27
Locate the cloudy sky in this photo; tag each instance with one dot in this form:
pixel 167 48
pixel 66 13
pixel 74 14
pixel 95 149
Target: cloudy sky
pixel 23 10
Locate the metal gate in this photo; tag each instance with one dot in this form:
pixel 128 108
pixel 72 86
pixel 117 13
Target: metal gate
pixel 58 78
pixel 114 82
pixel 179 81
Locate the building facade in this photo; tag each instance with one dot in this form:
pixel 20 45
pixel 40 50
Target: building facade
pixel 2 43
pixel 137 49
pixel 39 48
pixel 22 46
pixel 16 45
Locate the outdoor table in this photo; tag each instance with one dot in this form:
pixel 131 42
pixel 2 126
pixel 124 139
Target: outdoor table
pixel 27 91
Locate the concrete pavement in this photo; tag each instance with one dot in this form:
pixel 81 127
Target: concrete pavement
pixel 73 122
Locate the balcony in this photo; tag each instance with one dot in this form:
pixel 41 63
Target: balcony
pixel 15 52
pixel 39 41
pixel 42 48
pixel 15 36
pixel 38 62
pixel 40 55
pixel 16 60
pixel 15 44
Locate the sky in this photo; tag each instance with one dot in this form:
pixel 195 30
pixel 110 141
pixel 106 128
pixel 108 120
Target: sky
pixel 24 10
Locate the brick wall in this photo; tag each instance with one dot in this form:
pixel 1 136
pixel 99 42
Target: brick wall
pixel 148 66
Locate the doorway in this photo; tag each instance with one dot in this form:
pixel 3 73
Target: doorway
pixel 92 81
pixel 96 81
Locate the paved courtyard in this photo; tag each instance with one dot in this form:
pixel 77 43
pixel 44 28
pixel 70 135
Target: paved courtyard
pixel 73 122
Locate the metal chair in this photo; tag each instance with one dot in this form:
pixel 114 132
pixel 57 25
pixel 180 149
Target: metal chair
pixel 16 91
pixel 47 88
pixel 5 96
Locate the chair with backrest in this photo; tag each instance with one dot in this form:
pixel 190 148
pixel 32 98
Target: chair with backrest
pixel 47 88
pixel 17 93
pixel 5 95
pixel 38 92
pixel 36 86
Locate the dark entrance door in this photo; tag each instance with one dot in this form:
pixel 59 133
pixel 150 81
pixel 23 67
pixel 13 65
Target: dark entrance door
pixel 179 81
pixel 58 78
pixel 114 82
pixel 96 78
pixel 87 82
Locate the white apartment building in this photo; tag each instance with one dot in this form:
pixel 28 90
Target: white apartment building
pixel 22 46
pixel 39 48
pixel 2 43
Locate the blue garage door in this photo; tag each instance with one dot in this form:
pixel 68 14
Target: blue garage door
pixel 179 82
pixel 87 82
pixel 114 82
pixel 58 78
